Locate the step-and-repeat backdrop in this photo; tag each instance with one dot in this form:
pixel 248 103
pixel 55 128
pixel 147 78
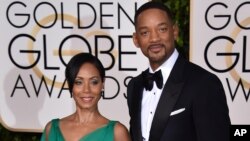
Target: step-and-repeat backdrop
pixel 220 42
pixel 37 39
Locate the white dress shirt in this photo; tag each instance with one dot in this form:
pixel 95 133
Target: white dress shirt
pixel 151 98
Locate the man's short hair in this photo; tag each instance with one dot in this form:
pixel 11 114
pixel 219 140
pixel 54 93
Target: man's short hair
pixel 151 5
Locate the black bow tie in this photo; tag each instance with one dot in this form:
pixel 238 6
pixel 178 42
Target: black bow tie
pixel 149 78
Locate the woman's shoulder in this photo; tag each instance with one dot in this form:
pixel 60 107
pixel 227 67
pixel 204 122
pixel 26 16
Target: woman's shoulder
pixel 121 132
pixel 119 126
pixel 51 123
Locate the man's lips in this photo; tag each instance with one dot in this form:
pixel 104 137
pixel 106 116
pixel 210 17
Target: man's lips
pixel 155 48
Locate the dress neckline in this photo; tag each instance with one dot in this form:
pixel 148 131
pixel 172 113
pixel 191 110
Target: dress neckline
pixel 97 129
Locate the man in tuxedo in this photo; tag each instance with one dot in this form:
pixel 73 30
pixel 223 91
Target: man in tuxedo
pixel 174 99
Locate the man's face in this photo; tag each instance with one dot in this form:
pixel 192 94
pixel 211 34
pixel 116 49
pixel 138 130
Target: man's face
pixel 155 36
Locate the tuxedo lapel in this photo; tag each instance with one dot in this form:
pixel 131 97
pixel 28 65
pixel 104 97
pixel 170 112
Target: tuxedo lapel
pixel 136 104
pixel 169 96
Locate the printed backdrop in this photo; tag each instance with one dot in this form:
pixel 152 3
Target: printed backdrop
pixel 37 40
pixel 220 43
pixel 39 37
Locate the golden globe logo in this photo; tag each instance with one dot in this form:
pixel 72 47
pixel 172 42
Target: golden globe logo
pixel 41 36
pixel 72 52
pixel 235 45
pixel 236 75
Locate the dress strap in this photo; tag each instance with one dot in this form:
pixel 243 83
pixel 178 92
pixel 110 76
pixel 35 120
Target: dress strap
pixel 112 123
pixel 55 131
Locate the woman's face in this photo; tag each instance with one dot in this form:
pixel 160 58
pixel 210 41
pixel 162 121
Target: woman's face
pixel 87 87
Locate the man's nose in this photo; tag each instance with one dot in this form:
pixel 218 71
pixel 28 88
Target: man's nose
pixel 155 36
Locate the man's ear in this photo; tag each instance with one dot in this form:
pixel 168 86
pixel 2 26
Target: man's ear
pixel 176 31
pixel 135 39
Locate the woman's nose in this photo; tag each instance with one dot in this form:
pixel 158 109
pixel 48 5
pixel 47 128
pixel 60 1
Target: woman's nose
pixel 86 87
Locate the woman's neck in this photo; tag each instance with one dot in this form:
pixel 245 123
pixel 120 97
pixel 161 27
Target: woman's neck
pixel 86 116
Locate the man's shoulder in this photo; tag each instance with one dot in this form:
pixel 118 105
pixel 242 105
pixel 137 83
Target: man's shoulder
pixel 196 71
pixel 136 78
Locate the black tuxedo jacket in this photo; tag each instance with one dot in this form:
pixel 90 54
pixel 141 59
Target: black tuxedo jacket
pixel 198 96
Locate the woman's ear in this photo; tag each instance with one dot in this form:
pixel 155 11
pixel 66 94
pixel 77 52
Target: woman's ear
pixel 103 83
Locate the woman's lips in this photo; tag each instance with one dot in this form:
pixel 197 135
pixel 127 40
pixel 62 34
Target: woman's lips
pixel 87 99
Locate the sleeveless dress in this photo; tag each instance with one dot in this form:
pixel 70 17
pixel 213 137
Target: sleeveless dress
pixel 105 133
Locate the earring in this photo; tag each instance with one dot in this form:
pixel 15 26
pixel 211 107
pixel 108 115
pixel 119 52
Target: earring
pixel 102 92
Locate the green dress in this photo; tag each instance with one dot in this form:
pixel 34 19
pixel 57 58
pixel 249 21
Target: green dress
pixel 105 133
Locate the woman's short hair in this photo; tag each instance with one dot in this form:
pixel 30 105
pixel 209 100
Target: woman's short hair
pixel 75 64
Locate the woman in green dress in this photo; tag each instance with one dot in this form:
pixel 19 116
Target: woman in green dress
pixel 85 76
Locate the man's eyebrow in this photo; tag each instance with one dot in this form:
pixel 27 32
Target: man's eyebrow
pixel 163 24
pixel 142 27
